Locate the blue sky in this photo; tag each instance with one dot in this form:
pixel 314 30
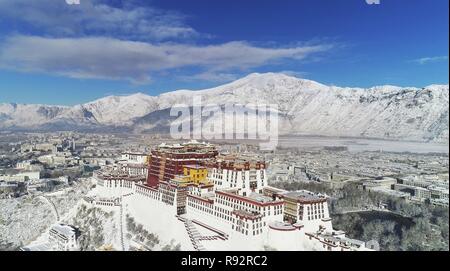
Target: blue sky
pixel 55 53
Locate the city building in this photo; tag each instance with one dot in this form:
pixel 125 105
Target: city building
pixel 134 157
pixel 229 196
pixel 64 237
pixel 166 161
pixel 231 172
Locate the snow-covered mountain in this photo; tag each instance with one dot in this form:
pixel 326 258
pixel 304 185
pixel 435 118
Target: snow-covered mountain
pixel 28 115
pixel 115 111
pixel 306 107
pixel 121 110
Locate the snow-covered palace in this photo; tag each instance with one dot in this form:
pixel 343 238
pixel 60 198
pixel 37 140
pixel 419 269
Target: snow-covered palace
pixel 209 201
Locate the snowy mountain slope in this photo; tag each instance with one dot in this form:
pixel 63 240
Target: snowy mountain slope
pixel 28 115
pixel 306 107
pixel 108 111
pixel 416 114
pixel 120 110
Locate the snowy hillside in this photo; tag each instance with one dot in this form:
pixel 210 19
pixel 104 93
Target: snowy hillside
pixel 306 107
pixel 24 115
pixel 120 110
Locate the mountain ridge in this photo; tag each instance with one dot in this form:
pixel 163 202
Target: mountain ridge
pixel 307 107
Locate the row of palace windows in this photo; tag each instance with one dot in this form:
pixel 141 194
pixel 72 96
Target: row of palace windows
pixel 147 192
pixel 115 183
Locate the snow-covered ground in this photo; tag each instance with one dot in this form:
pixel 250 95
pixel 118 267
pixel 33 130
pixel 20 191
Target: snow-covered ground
pixel 107 227
pixel 24 220
pixel 158 219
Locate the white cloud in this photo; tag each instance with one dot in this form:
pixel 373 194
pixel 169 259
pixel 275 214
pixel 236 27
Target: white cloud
pixel 426 60
pixel 125 41
pixel 97 18
pixel 108 58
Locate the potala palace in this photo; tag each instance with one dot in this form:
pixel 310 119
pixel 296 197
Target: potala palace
pixel 206 200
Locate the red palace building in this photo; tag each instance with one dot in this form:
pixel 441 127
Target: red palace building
pixel 167 161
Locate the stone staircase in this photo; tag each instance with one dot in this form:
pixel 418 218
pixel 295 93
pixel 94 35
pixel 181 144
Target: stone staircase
pixel 194 235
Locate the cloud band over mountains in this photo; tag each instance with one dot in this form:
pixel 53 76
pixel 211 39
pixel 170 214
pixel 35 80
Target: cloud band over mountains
pixel 109 58
pixel 126 40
